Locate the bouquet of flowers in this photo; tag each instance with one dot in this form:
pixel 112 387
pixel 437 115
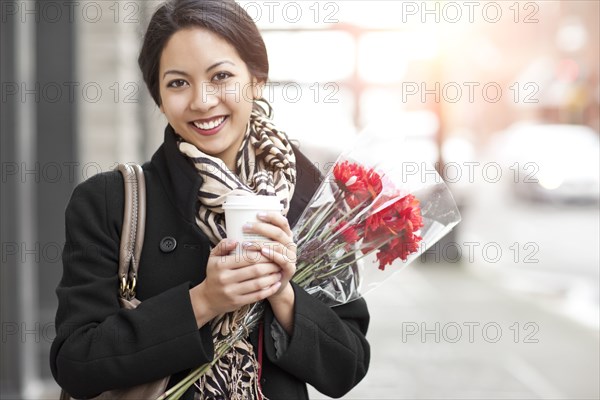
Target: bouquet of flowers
pixel 377 210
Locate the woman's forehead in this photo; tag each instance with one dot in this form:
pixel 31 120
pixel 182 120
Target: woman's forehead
pixel 197 46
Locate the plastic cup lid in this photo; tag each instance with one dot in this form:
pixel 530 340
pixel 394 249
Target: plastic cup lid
pixel 252 202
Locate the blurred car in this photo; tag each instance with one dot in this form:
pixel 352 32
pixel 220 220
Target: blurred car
pixel 551 163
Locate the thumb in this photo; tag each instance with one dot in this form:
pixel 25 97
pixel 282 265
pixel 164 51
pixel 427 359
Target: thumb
pixel 223 248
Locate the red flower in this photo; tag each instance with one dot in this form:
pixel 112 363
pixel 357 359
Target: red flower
pixel 358 183
pixel 394 225
pixel 348 232
pixel 400 220
pixel 404 214
pixel 400 247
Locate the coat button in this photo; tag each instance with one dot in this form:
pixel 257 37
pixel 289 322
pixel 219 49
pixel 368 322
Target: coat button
pixel 263 381
pixel 168 244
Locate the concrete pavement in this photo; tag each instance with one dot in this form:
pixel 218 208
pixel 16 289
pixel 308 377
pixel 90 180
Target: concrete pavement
pixel 444 332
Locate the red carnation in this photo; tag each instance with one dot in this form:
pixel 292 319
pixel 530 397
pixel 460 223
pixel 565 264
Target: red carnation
pixel 400 247
pixel 358 183
pixel 348 232
pixel 400 220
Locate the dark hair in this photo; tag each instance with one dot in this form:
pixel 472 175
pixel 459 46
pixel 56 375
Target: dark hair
pixel 225 18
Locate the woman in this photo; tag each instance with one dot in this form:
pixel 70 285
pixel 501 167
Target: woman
pixel 204 63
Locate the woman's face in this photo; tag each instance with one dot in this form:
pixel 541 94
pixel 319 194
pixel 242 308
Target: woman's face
pixel 206 92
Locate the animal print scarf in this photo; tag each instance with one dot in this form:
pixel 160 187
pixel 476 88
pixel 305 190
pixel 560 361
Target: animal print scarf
pixel 265 165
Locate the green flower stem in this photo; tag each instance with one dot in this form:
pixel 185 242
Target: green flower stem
pixel 336 269
pixel 328 210
pixel 182 386
pixel 345 216
pixel 309 270
pixel 304 272
pixel 309 222
pixel 315 225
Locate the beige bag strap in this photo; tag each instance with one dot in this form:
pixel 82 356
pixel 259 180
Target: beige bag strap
pixel 132 233
pixel 132 241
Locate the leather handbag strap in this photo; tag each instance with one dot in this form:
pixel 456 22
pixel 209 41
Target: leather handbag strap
pixel 132 232
pixel 130 251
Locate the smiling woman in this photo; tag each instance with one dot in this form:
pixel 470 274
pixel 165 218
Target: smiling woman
pixel 205 65
pixel 204 89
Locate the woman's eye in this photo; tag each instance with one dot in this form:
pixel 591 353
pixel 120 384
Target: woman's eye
pixel 177 83
pixel 221 76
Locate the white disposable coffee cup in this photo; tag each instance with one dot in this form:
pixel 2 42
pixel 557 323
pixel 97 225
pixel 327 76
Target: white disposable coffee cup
pixel 240 210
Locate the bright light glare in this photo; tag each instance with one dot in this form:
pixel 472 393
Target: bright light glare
pixel 303 118
pixel 458 149
pixel 376 14
pixel 551 181
pixel 384 56
pixel 571 36
pixel 310 56
pixel 380 105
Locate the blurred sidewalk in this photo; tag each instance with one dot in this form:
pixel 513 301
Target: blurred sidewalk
pixel 444 332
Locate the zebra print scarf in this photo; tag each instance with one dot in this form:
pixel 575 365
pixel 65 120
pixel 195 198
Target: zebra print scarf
pixel 265 165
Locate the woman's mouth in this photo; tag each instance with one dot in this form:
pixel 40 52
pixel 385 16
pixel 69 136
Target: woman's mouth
pixel 209 126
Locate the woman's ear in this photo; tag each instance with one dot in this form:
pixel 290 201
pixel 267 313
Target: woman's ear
pixel 257 88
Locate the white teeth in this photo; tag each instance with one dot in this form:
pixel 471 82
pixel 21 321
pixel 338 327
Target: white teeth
pixel 209 125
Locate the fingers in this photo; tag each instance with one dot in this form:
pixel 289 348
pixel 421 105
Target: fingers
pixel 256 271
pixel 255 289
pixel 282 250
pixel 242 273
pixel 286 260
pixel 238 267
pixel 260 294
pixel 223 248
pixel 276 219
pixel 279 232
pixel 210 299
pixel 280 254
pixel 231 255
pixel 258 284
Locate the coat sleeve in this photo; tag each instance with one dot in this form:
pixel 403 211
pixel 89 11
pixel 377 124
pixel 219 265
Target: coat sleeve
pixel 98 345
pixel 328 348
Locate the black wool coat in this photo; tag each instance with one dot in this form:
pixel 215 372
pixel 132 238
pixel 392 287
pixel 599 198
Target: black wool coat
pixel 100 346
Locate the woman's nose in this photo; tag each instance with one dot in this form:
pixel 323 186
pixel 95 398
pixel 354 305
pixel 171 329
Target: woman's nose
pixel 206 96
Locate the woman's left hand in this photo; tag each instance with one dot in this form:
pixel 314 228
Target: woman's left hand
pixel 282 249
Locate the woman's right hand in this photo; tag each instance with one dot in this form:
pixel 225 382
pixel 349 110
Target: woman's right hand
pixel 233 280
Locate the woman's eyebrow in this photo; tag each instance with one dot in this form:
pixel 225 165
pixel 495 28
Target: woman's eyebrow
pixel 176 72
pixel 215 65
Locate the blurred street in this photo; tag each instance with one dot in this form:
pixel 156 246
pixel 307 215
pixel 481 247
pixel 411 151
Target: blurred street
pixel 488 343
